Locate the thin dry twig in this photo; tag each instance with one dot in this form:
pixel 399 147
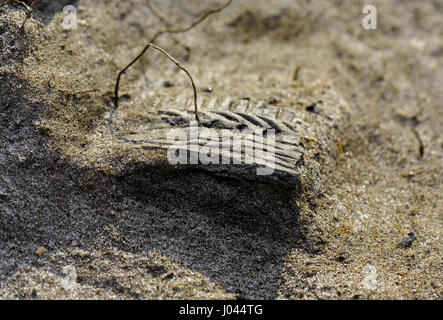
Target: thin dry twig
pixel 167 24
pixel 29 8
pixel 194 88
pixel 168 30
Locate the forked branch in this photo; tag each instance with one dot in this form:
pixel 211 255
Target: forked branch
pixel 169 30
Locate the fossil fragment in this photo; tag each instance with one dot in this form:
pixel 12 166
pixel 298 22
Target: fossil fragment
pixel 288 148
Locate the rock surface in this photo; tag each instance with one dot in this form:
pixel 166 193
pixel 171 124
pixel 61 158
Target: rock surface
pixel 88 213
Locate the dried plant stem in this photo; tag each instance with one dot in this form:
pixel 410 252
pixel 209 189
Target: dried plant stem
pixel 20 2
pixel 165 22
pixel 194 88
pixel 168 30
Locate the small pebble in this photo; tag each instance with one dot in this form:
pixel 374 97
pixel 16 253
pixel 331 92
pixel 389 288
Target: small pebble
pixel 41 251
pixel 273 101
pixel 311 108
pixel 407 242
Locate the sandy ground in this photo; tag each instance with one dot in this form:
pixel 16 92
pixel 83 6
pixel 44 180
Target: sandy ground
pixel 84 215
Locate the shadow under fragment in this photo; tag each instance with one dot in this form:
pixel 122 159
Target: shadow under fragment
pixel 237 233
